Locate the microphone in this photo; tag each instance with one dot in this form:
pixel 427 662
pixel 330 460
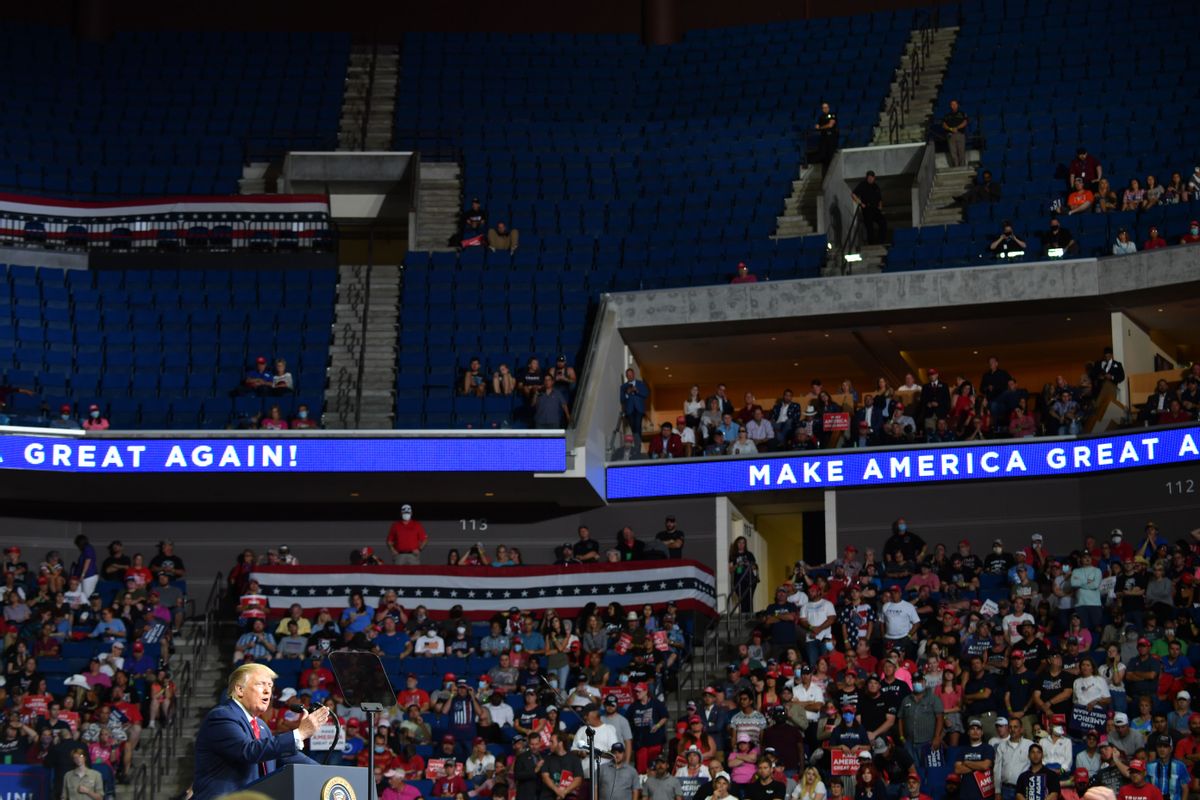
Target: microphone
pixel 300 709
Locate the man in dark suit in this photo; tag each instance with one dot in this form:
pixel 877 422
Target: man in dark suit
pixel 234 747
pixel 935 400
pixel 873 415
pixel 634 394
pixel 1107 369
pixel 785 416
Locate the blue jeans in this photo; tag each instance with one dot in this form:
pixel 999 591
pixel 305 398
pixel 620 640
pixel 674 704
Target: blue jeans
pixel 1008 792
pixel 813 652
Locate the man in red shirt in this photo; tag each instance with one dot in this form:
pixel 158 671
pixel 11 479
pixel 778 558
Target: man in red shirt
pixel 1193 234
pixel 1155 240
pixel 406 538
pixel 744 275
pixel 324 676
pixel 1086 167
pixel 412 694
pixel 668 445
pixel 1138 789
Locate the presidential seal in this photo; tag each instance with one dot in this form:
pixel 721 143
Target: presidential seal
pixel 337 788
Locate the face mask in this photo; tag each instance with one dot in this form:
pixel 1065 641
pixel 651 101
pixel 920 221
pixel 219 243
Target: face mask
pixel 828 647
pixel 1057 730
pixel 94 414
pixel 1194 230
pixel 64 416
pixel 302 415
pixel 516 648
pixel 997 550
pixel 902 527
pixel 918 687
pixel 848 718
pixel 1170 631
pixel 379 748
pixel 406 516
pixel 624 679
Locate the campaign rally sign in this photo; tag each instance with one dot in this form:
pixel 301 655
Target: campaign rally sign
pixel 852 467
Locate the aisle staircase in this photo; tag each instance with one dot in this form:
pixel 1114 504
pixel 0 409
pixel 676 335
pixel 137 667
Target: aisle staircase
pixel 799 216
pixel 439 202
pixel 362 367
pixel 369 101
pixel 162 765
pixel 907 112
pixel 948 183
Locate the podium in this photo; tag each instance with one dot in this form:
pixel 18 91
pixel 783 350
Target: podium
pixel 315 782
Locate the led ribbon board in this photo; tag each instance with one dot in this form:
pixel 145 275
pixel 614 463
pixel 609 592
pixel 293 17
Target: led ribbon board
pixel 305 454
pixel 843 468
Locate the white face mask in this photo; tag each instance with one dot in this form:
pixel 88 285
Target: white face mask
pixel 406 516
pixel 1057 730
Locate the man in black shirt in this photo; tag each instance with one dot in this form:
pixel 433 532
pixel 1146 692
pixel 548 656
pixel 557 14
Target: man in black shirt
pixel 167 561
pixel 526 768
pixel 1037 782
pixel 586 549
pixel 1059 238
pixel 786 738
pixel 672 537
pixel 560 769
pixel 998 562
pixel 113 568
pixel 904 541
pixel 1054 694
pixel 827 126
pixel 868 197
pixel 980 696
pixel 876 711
pixel 985 191
pixel 1018 694
pixel 764 786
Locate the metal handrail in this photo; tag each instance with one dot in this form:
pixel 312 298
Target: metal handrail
pixel 165 744
pixel 910 76
pixel 850 239
pixel 366 116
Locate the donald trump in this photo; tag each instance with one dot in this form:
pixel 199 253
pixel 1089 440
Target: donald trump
pixel 234 747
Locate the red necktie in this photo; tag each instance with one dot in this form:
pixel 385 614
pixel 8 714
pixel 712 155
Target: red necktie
pixel 262 766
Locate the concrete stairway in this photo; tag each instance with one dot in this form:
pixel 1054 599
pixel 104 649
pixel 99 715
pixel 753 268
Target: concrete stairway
pixel 948 183
pixel 439 202
pixel 341 390
pixel 370 96
pixel 799 216
pixel 366 349
pixel 915 125
pixel 208 684
pixel 379 357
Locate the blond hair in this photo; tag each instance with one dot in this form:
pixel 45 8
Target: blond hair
pixel 243 673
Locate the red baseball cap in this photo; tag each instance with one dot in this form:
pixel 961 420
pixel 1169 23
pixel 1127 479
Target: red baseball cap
pixel 1137 765
pixel 1081 775
pixel 694 718
pixel 642 687
pixel 1059 719
pixel 449 676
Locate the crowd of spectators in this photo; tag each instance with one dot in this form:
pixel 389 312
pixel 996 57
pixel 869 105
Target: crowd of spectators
pixel 1034 670
pixel 86 662
pixel 1031 671
pixel 493 708
pixel 1089 191
pixel 545 394
pixel 936 411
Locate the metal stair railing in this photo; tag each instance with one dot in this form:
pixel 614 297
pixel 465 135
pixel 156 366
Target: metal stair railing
pixel 165 746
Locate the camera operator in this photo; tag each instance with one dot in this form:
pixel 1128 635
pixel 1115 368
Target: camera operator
pixel 1007 242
